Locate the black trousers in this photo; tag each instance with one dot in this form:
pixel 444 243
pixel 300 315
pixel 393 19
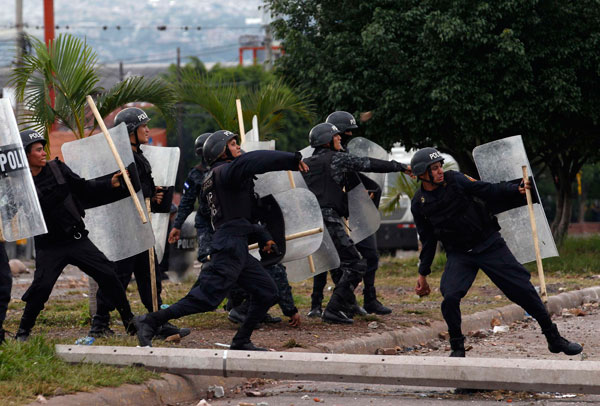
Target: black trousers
pixel 368 250
pixel 138 265
pixel 5 283
pixel 49 264
pixel 351 271
pixel 500 265
pixel 229 266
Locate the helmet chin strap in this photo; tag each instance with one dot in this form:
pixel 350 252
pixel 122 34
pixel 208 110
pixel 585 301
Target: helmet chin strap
pixel 430 180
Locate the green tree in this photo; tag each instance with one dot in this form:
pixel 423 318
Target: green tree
pixel 67 68
pixel 456 74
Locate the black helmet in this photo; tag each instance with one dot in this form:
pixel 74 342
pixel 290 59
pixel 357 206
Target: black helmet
pixel 423 158
pixel 342 120
pixel 199 143
pixel 215 145
pixel 133 117
pixel 321 134
pixel 29 137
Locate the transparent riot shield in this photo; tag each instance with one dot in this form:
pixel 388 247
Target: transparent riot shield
pixel 363 147
pixel 277 182
pixel 164 162
pixel 183 253
pixel 364 218
pixel 20 212
pixel 301 213
pixel 502 160
pixel 324 259
pixel 115 228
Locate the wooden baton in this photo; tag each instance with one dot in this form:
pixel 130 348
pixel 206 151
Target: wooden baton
pixel 536 244
pixel 115 153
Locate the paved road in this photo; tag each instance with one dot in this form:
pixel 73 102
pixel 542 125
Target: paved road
pixel 523 340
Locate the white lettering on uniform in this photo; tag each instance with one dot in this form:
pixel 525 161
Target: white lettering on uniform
pixel 434 155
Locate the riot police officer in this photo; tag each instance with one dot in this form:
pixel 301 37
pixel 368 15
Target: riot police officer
pixel 229 191
pixel 5 287
pixel 136 121
pixel 453 208
pixel 63 196
pixel 333 174
pixel 192 189
pixel 346 123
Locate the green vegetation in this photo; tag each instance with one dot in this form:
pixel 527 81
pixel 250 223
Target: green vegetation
pixel 32 368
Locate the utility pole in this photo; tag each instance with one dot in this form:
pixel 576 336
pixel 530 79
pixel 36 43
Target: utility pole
pixel 179 119
pixel 121 74
pixel 268 48
pixel 20 44
pixel 49 36
pixel 266 18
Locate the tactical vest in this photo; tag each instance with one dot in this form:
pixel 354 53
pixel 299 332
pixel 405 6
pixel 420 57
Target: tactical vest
pixel 320 181
pixel 225 203
pixel 57 202
pixel 460 221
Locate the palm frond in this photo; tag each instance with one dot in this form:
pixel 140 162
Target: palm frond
pixel 216 98
pixel 138 89
pixel 66 67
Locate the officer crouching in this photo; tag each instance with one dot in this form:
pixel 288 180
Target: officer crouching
pixel 63 196
pixel 452 207
pixel 229 191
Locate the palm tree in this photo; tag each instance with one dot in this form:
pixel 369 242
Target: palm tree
pixel 268 102
pixel 67 68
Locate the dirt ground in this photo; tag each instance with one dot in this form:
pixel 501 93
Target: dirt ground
pixel 66 317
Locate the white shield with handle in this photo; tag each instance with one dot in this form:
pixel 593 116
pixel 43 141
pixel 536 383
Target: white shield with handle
pixel 20 212
pixel 115 228
pixel 502 160
pixel 164 162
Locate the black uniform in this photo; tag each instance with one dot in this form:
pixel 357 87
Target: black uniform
pixel 139 264
pixel 457 214
pixel 5 287
pixel 332 174
pixel 192 190
pixel 229 190
pixel 63 196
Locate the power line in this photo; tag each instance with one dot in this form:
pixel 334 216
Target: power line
pixel 119 27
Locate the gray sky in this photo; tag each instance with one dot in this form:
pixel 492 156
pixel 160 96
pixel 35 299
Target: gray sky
pixel 138 40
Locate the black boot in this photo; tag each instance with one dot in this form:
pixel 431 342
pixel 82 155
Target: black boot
pixel 26 324
pixel 372 305
pixel 458 347
pixel 315 311
pixel 100 326
pixel 168 330
pixel 22 335
pixel 146 328
pixel 336 317
pixel 557 344
pixel 246 346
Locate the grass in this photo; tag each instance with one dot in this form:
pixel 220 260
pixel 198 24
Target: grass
pixel 32 368
pixel 29 369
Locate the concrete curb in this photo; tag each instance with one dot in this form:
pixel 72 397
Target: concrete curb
pixel 185 388
pixel 412 336
pixel 169 390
